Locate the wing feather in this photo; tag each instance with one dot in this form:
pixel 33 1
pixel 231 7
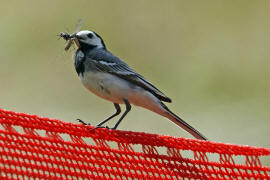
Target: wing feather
pixel 107 62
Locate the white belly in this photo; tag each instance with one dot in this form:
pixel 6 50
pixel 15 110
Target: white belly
pixel 107 86
pixel 115 89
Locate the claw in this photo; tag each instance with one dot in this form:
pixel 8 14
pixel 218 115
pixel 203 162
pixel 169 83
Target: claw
pixel 82 122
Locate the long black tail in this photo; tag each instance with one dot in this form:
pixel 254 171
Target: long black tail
pixel 180 122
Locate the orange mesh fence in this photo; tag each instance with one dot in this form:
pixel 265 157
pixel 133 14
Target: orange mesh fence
pixel 32 147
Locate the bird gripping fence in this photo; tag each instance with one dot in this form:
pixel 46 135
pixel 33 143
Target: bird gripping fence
pixel 43 148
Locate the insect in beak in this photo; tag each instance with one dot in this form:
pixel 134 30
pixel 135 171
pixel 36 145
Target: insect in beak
pixel 71 38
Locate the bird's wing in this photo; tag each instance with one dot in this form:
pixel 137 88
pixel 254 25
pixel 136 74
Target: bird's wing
pixel 107 62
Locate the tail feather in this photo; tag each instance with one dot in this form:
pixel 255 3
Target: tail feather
pixel 180 122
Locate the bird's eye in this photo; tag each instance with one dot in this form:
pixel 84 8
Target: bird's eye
pixel 90 35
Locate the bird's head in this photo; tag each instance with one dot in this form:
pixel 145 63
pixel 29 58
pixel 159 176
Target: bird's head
pixel 88 39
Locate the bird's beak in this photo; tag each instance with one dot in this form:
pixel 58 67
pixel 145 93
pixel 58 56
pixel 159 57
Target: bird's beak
pixel 73 36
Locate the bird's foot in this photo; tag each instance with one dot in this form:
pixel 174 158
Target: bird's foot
pixel 97 127
pixel 113 128
pixel 82 122
pixel 107 127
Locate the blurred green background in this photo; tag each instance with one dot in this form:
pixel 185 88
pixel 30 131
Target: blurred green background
pixel 210 57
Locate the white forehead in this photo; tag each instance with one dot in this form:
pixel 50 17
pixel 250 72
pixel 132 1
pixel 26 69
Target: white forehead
pixel 84 32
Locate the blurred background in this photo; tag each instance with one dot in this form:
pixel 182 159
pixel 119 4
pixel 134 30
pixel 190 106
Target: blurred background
pixel 210 57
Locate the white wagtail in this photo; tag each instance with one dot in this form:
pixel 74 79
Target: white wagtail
pixel 110 78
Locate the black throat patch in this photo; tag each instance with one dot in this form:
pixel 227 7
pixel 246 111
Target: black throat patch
pixel 79 62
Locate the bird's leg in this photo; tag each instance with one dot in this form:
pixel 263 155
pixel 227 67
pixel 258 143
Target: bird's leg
pixel 118 111
pixel 128 107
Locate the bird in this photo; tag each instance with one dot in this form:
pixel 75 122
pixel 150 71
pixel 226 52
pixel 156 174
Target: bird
pixel 110 78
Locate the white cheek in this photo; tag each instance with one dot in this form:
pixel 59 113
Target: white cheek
pixel 89 41
pixel 96 42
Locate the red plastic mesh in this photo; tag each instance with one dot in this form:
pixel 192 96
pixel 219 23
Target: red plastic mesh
pixel 34 147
